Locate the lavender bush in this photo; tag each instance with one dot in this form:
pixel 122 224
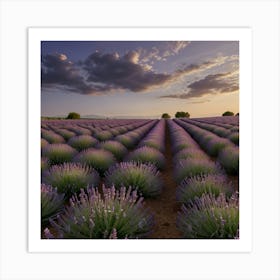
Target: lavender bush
pixel 51 136
pixel 126 140
pixel 99 159
pixel 103 135
pixel 80 130
pixel 116 148
pixel 66 134
pixel 229 159
pixel 192 167
pixel 59 153
pixel 196 186
pixel 147 155
pixel 210 218
pixel 51 203
pixel 234 137
pixel 141 177
pixel 112 214
pixel 155 138
pixel 69 178
pixel 213 145
pixel 189 153
pixel 82 142
pixel 44 164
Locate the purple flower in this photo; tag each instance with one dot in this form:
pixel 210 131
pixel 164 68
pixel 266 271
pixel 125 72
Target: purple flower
pixel 58 153
pixel 141 177
pixel 69 178
pixel 82 142
pixel 210 217
pixel 147 155
pixel 99 159
pixel 94 215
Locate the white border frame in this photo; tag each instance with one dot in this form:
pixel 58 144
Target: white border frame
pixel 262 16
pixel 243 35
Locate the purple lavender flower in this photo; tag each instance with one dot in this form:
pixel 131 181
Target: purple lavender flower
pixel 229 159
pixel 79 130
pixel 58 153
pixel 147 155
pixel 66 134
pixel 126 140
pixel 103 135
pixel 48 234
pixel 193 187
pixel 82 142
pixel 189 153
pixel 210 217
pixel 110 214
pixel 51 136
pixel 51 203
pixel 116 148
pixel 155 138
pixel 44 164
pixel 194 166
pixel 99 159
pixel 69 178
pixel 141 177
pixel 234 137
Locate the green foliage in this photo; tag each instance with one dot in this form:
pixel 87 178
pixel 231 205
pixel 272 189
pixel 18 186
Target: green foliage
pixel 210 217
pixel 182 115
pixel 165 116
pixel 147 155
pixel 58 153
pixel 69 178
pixel 51 203
pixel 73 115
pixel 228 113
pixel 112 214
pixel 99 159
pixel 144 178
pixel 196 186
pixel 229 159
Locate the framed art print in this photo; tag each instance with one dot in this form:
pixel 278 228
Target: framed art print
pixel 140 139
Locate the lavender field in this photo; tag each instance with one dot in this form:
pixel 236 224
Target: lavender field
pixel 140 178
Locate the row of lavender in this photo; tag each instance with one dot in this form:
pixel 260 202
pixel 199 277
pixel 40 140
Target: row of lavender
pixel 209 205
pixel 223 149
pixel 231 133
pixel 128 172
pixel 117 211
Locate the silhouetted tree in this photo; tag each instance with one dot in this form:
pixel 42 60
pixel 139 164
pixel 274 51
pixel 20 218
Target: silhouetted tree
pixel 73 115
pixel 165 116
pixel 182 115
pixel 228 113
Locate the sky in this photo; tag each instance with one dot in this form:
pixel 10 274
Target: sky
pixel 139 78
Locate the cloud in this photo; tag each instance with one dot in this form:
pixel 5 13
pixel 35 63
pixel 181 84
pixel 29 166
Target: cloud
pixel 199 102
pixel 60 73
pixel 210 85
pixel 162 51
pixel 102 73
pixel 123 72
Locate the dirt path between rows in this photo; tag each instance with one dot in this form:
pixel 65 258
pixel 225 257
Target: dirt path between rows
pixel 165 207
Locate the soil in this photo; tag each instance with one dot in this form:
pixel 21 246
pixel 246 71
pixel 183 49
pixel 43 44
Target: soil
pixel 165 207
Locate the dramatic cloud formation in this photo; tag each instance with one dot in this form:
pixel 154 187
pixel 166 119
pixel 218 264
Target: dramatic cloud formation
pixel 101 73
pixel 60 73
pixel 122 72
pixel 211 84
